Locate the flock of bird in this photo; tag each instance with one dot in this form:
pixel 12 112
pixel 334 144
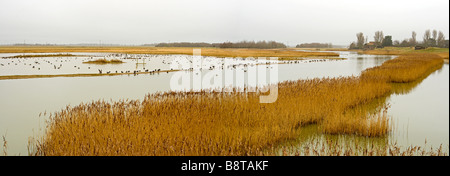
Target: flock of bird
pixel 135 72
pixel 38 63
pixel 209 63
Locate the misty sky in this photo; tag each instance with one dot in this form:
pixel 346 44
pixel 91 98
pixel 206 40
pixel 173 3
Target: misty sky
pixel 153 21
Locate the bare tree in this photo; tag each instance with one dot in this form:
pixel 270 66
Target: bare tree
pixel 252 44
pixel 404 43
pixel 434 37
pixel 315 45
pixel 379 36
pixel 413 40
pixel 360 40
pixel 427 37
pixel 441 39
pixel 352 45
pixel 396 43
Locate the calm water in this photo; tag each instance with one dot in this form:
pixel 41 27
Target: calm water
pixel 423 112
pixel 420 114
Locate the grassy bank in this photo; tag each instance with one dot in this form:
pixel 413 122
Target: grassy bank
pixel 443 52
pixel 214 123
pixel 42 55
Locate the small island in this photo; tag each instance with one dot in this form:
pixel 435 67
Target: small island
pixel 104 61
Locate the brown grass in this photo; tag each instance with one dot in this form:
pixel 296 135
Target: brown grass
pixel 443 52
pixel 200 123
pixel 321 49
pixel 358 122
pixel 104 61
pixel 382 52
pixel 405 68
pixel 42 55
pixel 214 123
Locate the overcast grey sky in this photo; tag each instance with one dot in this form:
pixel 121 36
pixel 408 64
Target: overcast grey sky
pixel 153 21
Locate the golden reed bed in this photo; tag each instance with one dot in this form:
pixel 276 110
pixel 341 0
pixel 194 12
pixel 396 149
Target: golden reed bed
pixel 214 123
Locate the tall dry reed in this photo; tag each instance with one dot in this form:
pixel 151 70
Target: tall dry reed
pixel 405 68
pixel 215 123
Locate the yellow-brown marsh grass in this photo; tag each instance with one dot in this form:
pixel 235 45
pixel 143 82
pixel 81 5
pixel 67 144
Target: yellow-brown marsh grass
pixel 42 55
pixel 405 68
pixel 443 52
pixel 104 61
pixel 200 123
pixel 358 122
pixel 214 123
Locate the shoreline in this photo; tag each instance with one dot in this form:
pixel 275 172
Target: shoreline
pixel 9 77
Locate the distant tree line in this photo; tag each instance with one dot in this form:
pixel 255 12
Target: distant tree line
pixel 242 44
pixel 252 44
pixel 430 39
pixel 184 44
pixel 314 45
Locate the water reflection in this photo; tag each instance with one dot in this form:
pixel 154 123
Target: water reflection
pixel 421 112
pixel 312 142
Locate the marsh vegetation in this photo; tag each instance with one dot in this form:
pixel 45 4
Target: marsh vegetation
pixel 41 55
pixel 215 123
pixel 104 61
